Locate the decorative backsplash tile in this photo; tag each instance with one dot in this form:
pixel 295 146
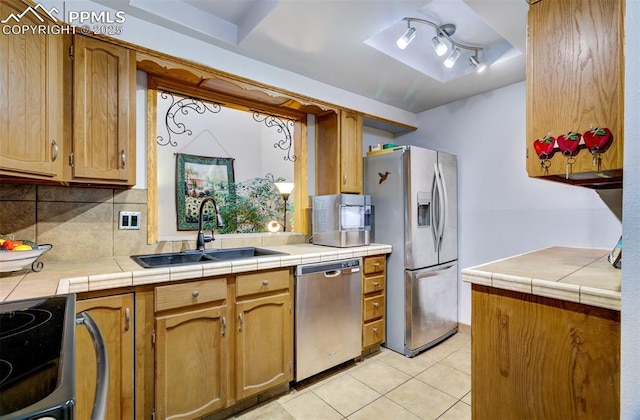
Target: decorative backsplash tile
pixel 82 223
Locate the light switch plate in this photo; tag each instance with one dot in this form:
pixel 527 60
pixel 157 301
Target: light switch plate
pixel 129 220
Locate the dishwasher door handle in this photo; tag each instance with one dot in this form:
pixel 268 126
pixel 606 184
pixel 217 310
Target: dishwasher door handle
pixel 102 386
pixel 332 273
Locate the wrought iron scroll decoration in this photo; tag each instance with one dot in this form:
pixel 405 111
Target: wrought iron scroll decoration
pixel 183 106
pixel 282 127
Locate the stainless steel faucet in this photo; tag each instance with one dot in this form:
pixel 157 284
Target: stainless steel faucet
pixel 202 238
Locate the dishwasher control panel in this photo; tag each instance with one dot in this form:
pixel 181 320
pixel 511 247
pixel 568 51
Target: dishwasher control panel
pixel 353 264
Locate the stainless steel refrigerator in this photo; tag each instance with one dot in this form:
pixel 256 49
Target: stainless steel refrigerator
pixel 415 209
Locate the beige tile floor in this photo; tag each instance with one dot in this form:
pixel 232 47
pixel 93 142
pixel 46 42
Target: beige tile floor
pixel 435 384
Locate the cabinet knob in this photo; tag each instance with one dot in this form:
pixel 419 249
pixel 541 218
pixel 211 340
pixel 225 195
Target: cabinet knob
pixel 265 282
pixel 375 331
pixel 54 153
pixel 376 284
pixel 376 305
pixel 376 265
pixel 195 294
pixel 123 159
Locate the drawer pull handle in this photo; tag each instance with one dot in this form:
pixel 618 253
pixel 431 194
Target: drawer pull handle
pixel 123 159
pixel 265 282
pixel 375 331
pixel 224 326
pixel 376 305
pixel 241 318
pixel 376 265
pixel 195 294
pixel 376 284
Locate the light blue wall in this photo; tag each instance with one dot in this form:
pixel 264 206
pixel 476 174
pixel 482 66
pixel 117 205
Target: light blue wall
pixel 503 212
pixel 630 362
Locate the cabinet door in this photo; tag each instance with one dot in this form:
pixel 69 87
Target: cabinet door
pixel 191 363
pixel 540 358
pixel 351 152
pixel 113 316
pixel 575 79
pixel 31 100
pixel 264 344
pixel 103 112
pixel 339 153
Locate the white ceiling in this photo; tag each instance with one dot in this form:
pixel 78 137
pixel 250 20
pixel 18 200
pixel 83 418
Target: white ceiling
pixel 342 42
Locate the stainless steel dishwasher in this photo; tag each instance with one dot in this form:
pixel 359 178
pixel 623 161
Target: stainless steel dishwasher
pixel 328 315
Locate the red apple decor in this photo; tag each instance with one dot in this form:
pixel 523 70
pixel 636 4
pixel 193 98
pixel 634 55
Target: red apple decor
pixel 568 145
pixel 544 150
pixel 597 140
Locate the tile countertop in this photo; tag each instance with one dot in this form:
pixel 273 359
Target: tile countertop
pixel 578 275
pixel 61 277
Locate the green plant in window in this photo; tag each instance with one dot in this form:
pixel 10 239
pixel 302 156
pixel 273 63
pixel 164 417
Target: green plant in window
pixel 249 205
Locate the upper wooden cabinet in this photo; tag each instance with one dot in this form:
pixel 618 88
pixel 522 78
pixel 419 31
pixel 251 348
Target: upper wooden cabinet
pixel 103 141
pixel 31 100
pixel 339 153
pixel 575 59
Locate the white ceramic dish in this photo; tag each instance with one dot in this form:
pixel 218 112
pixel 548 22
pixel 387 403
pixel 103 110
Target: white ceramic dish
pixel 17 260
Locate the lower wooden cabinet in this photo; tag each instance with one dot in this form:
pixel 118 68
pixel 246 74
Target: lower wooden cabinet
pixel 373 300
pixel 113 315
pixel 264 344
pixel 534 357
pixel 216 341
pixel 191 363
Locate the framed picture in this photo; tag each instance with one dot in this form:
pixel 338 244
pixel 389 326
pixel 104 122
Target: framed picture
pixel 198 177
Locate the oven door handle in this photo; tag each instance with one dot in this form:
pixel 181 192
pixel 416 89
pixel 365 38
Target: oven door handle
pixel 99 409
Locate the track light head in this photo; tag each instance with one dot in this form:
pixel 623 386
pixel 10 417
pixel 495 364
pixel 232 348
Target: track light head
pixel 453 57
pixel 479 65
pixel 406 38
pixel 438 46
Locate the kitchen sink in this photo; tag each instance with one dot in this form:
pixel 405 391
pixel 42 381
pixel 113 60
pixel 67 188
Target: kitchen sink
pixel 171 259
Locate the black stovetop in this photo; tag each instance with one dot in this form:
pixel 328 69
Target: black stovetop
pixel 36 356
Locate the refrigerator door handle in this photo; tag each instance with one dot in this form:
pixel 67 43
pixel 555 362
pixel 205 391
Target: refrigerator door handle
pixel 442 191
pixel 439 225
pixel 434 217
pixel 433 272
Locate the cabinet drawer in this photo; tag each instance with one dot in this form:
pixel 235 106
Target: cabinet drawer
pixel 373 307
pixel 193 293
pixel 373 284
pixel 375 264
pixel 267 281
pixel 373 333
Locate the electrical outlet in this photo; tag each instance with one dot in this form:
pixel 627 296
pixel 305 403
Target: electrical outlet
pixel 129 220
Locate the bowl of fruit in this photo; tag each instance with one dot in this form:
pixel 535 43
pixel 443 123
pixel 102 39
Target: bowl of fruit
pixel 16 255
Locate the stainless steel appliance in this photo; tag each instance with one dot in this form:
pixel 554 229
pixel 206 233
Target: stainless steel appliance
pixel 414 200
pixel 341 220
pixel 328 315
pixel 37 356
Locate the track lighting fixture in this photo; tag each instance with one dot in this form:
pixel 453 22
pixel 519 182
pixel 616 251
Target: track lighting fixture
pixel 439 43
